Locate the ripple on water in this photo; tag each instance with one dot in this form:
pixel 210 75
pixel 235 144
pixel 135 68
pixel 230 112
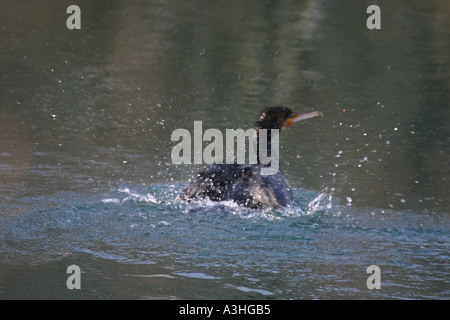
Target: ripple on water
pixel 292 254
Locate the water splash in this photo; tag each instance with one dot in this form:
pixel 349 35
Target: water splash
pixel 323 202
pixel 164 196
pixel 132 196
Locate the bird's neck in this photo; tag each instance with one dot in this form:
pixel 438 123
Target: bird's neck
pixel 264 144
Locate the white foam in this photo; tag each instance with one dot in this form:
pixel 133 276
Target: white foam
pixel 321 202
pixel 111 200
pixel 138 197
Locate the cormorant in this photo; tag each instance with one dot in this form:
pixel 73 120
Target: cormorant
pixel 244 183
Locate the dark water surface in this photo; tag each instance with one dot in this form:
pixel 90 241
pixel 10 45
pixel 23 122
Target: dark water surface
pixel 86 176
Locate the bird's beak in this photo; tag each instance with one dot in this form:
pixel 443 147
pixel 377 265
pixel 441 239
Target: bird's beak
pixel 296 117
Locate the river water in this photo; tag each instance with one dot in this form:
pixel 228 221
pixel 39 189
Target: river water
pixel 86 176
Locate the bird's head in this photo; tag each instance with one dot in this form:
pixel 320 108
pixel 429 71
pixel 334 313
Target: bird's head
pixel 281 117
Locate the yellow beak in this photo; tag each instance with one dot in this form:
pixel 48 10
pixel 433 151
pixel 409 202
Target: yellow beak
pixel 296 117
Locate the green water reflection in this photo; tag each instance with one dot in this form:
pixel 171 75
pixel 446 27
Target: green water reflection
pixel 84 109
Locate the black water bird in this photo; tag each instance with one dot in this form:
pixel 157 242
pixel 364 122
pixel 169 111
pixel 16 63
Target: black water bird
pixel 244 183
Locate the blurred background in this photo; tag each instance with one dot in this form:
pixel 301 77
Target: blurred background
pixel 87 108
pixel 83 111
